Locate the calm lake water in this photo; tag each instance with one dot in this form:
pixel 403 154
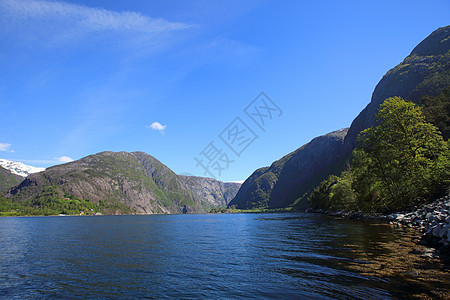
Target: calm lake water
pixel 292 256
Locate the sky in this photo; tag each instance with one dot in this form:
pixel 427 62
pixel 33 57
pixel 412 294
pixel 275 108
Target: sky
pixel 209 88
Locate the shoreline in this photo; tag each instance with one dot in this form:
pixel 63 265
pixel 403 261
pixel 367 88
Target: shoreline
pixel 430 221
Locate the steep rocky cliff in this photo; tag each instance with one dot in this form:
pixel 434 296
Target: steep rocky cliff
pixel 210 192
pixel 426 71
pixel 122 182
pixel 293 176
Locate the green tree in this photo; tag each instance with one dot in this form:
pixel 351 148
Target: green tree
pixel 437 111
pixel 342 194
pixel 401 161
pixel 335 193
pixel 320 197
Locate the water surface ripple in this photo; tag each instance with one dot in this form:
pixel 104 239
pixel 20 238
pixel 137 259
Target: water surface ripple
pixel 291 256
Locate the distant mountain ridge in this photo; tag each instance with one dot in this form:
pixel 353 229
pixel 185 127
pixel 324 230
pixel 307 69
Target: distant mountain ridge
pixel 123 182
pixel 210 192
pixel 19 168
pixel 426 71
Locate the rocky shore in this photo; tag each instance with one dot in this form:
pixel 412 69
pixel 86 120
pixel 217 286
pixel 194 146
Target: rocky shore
pixel 433 221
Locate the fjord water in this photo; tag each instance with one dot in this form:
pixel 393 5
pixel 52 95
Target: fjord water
pixel 290 255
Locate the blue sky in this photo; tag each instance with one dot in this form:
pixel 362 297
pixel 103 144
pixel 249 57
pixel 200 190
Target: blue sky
pixel 173 78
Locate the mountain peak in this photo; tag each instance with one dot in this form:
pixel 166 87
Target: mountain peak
pixel 290 179
pixel 437 43
pixel 126 182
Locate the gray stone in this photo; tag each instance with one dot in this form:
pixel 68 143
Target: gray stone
pixel 427 255
pixel 416 251
pixel 442 231
pixel 399 217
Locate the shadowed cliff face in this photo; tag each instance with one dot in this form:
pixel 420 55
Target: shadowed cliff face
pixel 135 181
pixel 289 178
pixel 8 180
pixel 426 71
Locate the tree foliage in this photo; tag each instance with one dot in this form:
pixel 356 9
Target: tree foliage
pixel 49 202
pixel 437 111
pixel 400 162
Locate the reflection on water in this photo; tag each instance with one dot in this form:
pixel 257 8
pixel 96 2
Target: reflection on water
pixel 212 256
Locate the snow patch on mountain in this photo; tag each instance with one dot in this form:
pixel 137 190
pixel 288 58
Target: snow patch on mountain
pixel 19 168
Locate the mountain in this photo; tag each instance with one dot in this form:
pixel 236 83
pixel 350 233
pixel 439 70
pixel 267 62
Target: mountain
pixel 8 180
pixel 19 168
pixel 122 182
pixel 426 71
pixel 210 192
pixel 289 178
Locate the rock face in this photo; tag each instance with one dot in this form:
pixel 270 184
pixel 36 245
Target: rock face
pixel 426 71
pixel 8 180
pixel 130 182
pixel 210 192
pixel 294 175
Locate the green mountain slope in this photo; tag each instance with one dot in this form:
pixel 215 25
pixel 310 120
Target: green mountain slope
pixel 117 182
pixel 426 71
pixel 8 180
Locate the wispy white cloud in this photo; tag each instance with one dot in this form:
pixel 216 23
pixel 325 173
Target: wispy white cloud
pixel 5 147
pixel 47 162
pixel 223 50
pixel 229 46
pixel 59 22
pixel 64 159
pixel 157 126
pixel 37 161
